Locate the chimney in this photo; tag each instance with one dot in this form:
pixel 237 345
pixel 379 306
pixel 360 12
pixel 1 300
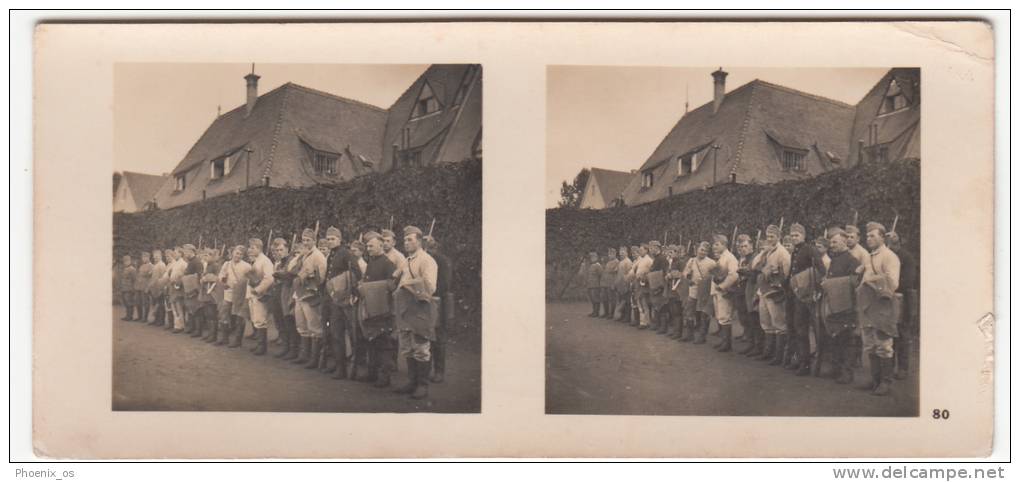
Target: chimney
pixel 719 77
pixel 253 90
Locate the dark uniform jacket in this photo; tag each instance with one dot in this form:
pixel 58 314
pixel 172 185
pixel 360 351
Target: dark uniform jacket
pixel 378 268
pixel 444 274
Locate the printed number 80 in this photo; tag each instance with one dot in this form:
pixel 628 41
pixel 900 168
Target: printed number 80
pixel 940 414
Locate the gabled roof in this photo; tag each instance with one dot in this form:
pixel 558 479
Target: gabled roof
pixel 284 125
pixel 611 183
pixel 747 119
pixel 445 80
pixel 143 186
pixel 900 126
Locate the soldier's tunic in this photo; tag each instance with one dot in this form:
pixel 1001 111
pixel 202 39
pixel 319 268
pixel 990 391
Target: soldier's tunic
pixel 307 293
pixel 260 280
pixel 698 272
pixel 727 263
pixel 608 282
pixel 876 300
pixel 193 266
pixel 771 290
pixel 128 278
pixel 642 267
pixel 860 254
pixel 396 257
pixel 142 289
pixel 235 275
pixel 156 295
pixel 593 281
pixel 842 265
pixel 340 317
pixel 415 325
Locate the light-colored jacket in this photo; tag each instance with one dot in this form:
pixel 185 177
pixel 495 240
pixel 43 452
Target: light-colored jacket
pixel 234 273
pixel 263 268
pixel 420 265
pixel 729 263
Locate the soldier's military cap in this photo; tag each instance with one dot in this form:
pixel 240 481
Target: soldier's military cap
pixel 308 233
pixel 188 247
pixel 873 226
pixel 797 228
pixel 370 236
pixel 412 230
pixel 656 243
pixel 720 238
pixel 386 233
pixel 851 229
pixel 772 229
pixel 332 231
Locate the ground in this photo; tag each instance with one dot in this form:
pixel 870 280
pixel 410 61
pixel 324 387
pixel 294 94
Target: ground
pixel 598 366
pixel 156 370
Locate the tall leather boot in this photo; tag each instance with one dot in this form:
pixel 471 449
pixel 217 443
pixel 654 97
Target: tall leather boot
pixel 198 325
pixel 295 346
pixel 128 313
pixel 841 359
pixel 438 362
pixel 769 350
pixel 751 336
pixel 875 368
pixel 284 341
pixel 780 353
pixel 757 344
pixel 421 389
pixel 700 329
pixel 340 354
pixel 314 353
pixel 664 322
pixel 303 349
pixel 412 378
pixel 901 354
pixel 727 337
pixel 885 377
pixel 804 352
pixel 372 362
pixel 169 320
pixel 237 333
pixel 262 337
pixel 213 332
pixel 689 332
pixel 223 335
pixel 252 335
pixel 381 367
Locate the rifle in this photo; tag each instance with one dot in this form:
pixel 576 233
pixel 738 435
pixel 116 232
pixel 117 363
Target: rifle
pixel 855 217
pixel 781 226
pixel 269 239
pixel 665 236
pixel 688 247
pixel 897 218
pixel 733 239
pixel 293 240
pixel 432 226
pixel 199 241
pixel 391 222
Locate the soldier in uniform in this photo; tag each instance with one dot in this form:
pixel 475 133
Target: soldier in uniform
pixel 674 303
pixel 623 284
pixel 193 266
pixel 775 270
pixel 210 289
pixel 142 288
pixel 642 266
pixel 608 282
pixel 358 251
pixel 338 315
pixel 378 330
pixel 657 296
pixel 746 307
pixel 593 282
pixel 415 311
pixel 723 285
pixel 697 272
pixel 447 306
pixel 155 293
pixel 840 326
pixel 908 315
pixel 128 276
pixel 234 310
pixel 806 263
pixel 876 297
pixel 307 293
pixel 282 302
pixel 260 281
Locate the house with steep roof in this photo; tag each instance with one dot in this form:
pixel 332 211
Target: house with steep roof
pixel 134 191
pixel 604 188
pixel 887 125
pixel 757 133
pixel 296 136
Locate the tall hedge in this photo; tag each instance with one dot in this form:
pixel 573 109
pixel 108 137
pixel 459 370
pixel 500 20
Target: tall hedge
pixel 876 192
pixel 450 193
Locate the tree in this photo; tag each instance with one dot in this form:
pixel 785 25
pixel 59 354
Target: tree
pixel 570 194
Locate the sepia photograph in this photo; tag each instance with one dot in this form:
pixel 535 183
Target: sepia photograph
pixel 733 241
pixel 297 237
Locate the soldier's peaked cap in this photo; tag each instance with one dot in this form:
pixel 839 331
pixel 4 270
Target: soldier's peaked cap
pixel 332 231
pixel 412 230
pixel 308 233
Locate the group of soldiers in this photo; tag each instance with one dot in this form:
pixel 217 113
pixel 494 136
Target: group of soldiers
pixel 783 291
pixel 361 305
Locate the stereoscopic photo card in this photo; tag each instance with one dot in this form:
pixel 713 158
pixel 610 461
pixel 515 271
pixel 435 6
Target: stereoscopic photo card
pixel 686 240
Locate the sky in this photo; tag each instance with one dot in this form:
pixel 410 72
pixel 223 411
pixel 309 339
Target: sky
pixel 613 117
pixel 161 109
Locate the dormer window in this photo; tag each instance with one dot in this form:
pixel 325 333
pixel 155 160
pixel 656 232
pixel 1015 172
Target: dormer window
pixel 324 163
pixel 894 99
pixel 180 182
pixel 687 164
pixel 426 104
pixel 647 179
pixel 220 168
pixel 793 159
pixel 409 158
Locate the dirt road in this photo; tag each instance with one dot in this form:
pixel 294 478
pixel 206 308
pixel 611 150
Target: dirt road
pixel 156 370
pixel 598 366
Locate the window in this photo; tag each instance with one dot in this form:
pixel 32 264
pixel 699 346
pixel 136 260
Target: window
pixel 219 168
pixel 793 160
pixel 879 153
pixel 894 99
pixel 647 179
pixel 180 182
pixel 324 163
pixel 426 104
pixel 686 165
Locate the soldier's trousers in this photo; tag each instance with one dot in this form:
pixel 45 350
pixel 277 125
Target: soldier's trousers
pixel 414 346
pixel 803 316
pixel 380 353
pixel 337 320
pixel 624 302
pixel 608 301
pixel 160 313
pixel 439 345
